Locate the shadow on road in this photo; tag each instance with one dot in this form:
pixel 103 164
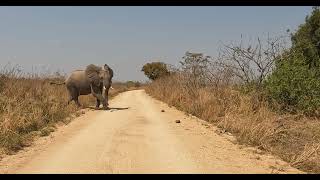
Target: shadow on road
pixel 118 108
pixel 110 108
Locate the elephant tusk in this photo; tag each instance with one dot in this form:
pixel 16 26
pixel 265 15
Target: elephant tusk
pixel 104 88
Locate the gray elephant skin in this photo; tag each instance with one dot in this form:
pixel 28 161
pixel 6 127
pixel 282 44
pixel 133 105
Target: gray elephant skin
pixel 95 80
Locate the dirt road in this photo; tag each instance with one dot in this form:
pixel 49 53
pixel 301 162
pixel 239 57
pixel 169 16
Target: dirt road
pixel 136 137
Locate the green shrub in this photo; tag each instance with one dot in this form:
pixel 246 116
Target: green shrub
pixel 294 86
pixel 295 83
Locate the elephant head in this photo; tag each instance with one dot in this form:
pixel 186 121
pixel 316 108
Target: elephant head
pixel 100 79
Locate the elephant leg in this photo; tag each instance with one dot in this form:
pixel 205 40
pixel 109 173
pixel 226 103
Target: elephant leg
pixel 98 104
pixel 98 96
pixel 104 103
pixel 105 93
pixel 76 100
pixel 73 95
pixel 70 99
pixel 107 97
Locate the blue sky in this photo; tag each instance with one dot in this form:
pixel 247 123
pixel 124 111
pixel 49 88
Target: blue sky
pixel 67 38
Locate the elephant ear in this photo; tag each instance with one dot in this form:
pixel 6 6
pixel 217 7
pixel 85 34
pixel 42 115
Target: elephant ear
pixel 107 68
pixel 92 72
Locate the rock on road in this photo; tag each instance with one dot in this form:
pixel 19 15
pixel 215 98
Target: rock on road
pixel 136 137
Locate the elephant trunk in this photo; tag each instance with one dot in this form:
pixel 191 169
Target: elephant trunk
pixel 105 91
pixel 97 95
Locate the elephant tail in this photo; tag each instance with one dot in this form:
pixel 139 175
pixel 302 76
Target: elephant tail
pixel 62 83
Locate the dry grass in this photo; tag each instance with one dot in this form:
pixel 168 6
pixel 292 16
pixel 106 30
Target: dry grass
pixel 293 138
pixel 31 107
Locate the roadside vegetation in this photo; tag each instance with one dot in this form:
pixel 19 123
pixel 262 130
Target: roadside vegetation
pixel 31 107
pixel 264 92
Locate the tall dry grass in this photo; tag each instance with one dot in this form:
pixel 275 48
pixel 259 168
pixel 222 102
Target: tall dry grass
pixel 294 138
pixel 30 106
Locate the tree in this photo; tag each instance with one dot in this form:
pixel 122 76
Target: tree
pixel 195 65
pixel 307 39
pixel 155 70
pixel 251 63
pixel 295 81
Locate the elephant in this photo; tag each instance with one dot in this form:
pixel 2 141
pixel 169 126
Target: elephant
pixel 93 80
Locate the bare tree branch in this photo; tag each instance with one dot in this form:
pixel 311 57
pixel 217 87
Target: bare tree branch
pixel 253 63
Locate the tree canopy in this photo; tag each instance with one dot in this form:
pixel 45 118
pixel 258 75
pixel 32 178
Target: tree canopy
pixel 155 70
pixel 295 82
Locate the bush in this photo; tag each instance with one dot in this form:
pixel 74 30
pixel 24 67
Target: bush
pixel 294 86
pixel 130 84
pixel 155 70
pixel 242 107
pixel 295 83
pixel 29 104
pixel 295 139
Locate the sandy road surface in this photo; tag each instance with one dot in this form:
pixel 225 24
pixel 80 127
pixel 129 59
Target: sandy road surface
pixel 136 137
